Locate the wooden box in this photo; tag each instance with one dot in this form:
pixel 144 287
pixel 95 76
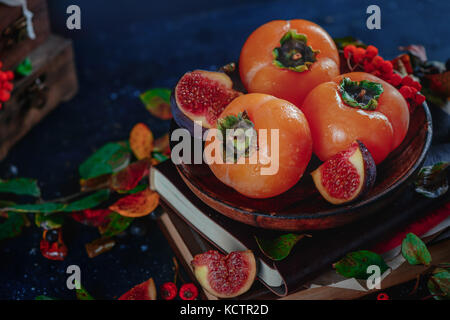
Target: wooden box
pixel 52 81
pixel 15 45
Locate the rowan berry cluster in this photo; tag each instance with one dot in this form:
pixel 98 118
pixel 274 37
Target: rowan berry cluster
pixel 6 85
pixel 369 60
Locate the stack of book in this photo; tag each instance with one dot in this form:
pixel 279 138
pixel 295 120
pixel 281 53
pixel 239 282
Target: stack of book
pixel 192 227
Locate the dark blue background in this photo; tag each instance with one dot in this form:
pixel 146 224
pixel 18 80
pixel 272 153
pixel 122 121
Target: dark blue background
pixel 127 47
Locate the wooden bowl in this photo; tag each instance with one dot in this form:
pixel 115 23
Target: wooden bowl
pixel 302 207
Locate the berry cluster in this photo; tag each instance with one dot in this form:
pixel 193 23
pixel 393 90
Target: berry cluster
pixel 372 63
pixel 6 85
pixel 169 290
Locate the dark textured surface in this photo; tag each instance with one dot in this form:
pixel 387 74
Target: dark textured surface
pixel 126 47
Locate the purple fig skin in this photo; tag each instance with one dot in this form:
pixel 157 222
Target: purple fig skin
pixel 370 169
pixel 182 120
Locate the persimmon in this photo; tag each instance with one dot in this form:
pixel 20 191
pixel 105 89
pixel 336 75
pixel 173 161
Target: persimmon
pixel 287 59
pixel 356 106
pixel 275 160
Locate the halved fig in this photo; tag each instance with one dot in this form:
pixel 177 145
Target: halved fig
pixel 347 175
pixel 143 291
pixel 201 96
pixel 225 276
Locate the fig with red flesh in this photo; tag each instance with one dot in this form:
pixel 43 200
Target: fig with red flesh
pixel 225 276
pixel 347 175
pixel 143 291
pixel 201 96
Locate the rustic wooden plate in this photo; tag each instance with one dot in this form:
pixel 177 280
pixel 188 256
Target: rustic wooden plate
pixel 302 207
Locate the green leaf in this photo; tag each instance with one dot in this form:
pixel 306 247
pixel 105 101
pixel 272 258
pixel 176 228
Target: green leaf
pixel 88 202
pixel 363 94
pixel 162 93
pixel 12 226
pixel 116 225
pixel 44 298
pixel 439 284
pixel 20 186
pixel 415 251
pixel 355 264
pixel 25 68
pixel 49 222
pixel 139 188
pixel 279 248
pixel 82 294
pixel 110 158
pixel 157 102
pixel 48 207
pixel 159 156
pixel 345 41
pixel 432 181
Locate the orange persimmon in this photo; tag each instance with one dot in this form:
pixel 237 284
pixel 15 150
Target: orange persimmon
pixel 287 59
pixel 275 160
pixel 356 106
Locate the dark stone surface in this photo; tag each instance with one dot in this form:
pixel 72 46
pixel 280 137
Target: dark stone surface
pixel 126 47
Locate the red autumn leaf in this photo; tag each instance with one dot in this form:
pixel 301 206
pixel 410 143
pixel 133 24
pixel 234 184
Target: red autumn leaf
pixel 137 205
pixel 141 141
pixel 162 145
pixel 96 183
pixel 129 178
pixel 93 218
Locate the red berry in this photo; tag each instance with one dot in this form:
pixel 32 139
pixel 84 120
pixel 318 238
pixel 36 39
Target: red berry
pixel 1 64
pixel 387 67
pixel 407 81
pixel 377 73
pixel 395 79
pixel 188 291
pixel 359 55
pixel 3 76
pixel 168 291
pixel 417 85
pixel 419 99
pixel 9 75
pixel 371 52
pixel 407 92
pixel 383 296
pixel 4 95
pixel 368 66
pixel 349 51
pixel 8 86
pixel 377 61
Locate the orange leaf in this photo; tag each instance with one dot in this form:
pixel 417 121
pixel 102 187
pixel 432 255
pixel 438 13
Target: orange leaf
pixel 137 205
pixel 141 141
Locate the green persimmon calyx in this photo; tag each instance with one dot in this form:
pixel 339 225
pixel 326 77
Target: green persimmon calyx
pixel 238 135
pixel 294 53
pixel 363 95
